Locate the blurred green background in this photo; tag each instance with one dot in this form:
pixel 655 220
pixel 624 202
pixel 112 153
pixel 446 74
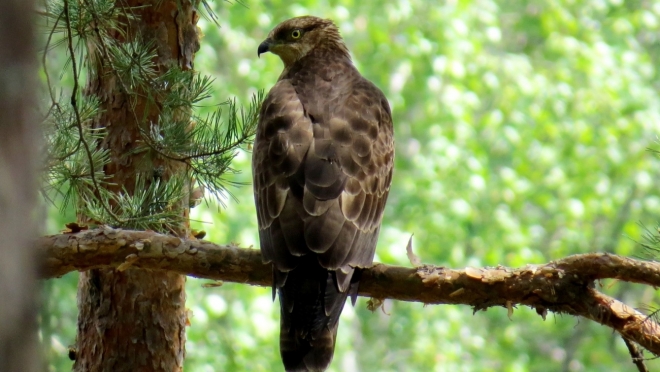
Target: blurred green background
pixel 522 130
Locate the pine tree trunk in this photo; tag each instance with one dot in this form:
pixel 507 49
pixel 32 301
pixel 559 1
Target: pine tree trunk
pixel 134 320
pixel 18 150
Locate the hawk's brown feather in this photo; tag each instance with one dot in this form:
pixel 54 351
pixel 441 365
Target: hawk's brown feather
pixel 322 168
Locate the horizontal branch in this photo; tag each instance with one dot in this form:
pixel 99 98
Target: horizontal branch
pixel 562 286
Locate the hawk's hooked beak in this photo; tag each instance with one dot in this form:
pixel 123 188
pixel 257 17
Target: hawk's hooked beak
pixel 264 47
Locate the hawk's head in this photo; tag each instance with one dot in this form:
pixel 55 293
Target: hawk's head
pixel 296 37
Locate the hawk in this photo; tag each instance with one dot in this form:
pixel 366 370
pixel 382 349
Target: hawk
pixel 322 168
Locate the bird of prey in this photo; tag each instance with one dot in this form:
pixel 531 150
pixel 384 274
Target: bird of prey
pixel 322 168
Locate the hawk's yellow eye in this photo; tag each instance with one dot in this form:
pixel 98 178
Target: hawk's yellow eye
pixel 296 34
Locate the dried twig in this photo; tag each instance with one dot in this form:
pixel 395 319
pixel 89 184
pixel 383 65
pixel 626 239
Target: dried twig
pixel 636 354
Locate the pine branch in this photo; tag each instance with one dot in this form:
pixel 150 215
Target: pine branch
pixel 44 66
pixel 206 145
pixel 96 33
pixel 561 286
pixel 74 104
pixel 636 355
pixel 153 205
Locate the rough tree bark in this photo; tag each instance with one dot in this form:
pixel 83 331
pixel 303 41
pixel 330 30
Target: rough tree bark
pixel 18 149
pixel 134 320
pixel 562 286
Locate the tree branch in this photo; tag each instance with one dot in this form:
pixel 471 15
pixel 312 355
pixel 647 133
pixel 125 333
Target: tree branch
pixel 561 286
pixel 637 356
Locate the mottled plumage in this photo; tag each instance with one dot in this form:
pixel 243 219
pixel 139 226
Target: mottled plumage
pixel 322 167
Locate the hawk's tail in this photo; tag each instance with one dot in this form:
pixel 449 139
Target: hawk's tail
pixel 311 304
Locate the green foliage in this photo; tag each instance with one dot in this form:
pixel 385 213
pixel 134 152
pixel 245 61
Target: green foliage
pixel 153 205
pixel 522 130
pixel 204 145
pixel 68 172
pixel 209 143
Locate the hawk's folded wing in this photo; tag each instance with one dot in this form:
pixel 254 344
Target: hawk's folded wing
pixel 322 175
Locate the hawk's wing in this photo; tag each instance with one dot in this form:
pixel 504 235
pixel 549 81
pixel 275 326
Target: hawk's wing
pixel 322 169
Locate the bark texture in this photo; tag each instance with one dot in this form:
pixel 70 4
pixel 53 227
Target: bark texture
pixel 18 149
pixel 134 320
pixel 562 286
